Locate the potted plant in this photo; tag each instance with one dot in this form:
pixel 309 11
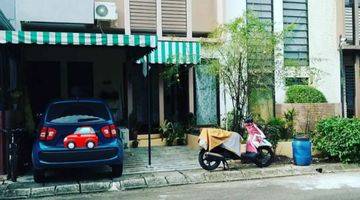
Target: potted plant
pixel 164 129
pixel 180 134
pixel 167 132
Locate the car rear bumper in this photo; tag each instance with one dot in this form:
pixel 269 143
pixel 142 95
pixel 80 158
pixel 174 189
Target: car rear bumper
pixel 44 158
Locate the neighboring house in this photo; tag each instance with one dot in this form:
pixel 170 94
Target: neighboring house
pixel 65 40
pixel 314 42
pixel 349 28
pixel 67 48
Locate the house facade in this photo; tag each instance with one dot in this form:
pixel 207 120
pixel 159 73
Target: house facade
pixel 178 24
pixel 314 43
pixel 116 50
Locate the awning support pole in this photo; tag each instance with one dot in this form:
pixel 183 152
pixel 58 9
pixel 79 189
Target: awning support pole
pixel 149 107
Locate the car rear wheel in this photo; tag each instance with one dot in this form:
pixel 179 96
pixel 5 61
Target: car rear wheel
pixel 39 176
pixel 117 170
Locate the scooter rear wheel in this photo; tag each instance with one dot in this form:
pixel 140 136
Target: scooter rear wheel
pixel 205 163
pixel 265 156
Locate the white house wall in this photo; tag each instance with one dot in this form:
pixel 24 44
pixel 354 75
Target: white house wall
pixel 232 9
pixel 323 48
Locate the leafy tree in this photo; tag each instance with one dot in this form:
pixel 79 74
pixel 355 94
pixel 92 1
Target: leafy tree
pixel 244 50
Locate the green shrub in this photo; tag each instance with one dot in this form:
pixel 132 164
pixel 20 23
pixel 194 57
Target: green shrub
pixel 304 94
pixel 339 138
pixel 173 132
pixel 275 130
pixel 289 117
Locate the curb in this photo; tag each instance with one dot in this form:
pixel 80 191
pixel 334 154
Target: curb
pixel 164 179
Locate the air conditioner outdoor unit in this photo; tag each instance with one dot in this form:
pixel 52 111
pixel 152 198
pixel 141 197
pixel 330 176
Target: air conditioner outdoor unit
pixel 105 11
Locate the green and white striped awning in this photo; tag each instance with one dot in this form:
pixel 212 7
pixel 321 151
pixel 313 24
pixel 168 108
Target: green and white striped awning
pixel 69 38
pixel 176 52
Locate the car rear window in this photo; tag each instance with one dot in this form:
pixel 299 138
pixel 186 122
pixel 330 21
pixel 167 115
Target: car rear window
pixel 77 112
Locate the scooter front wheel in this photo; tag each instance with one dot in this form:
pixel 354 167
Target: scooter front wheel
pixel 206 163
pixel 265 156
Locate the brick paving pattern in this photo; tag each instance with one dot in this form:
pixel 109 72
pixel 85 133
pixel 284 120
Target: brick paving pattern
pixel 163 159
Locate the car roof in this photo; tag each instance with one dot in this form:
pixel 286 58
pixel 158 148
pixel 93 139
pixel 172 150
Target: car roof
pixel 93 100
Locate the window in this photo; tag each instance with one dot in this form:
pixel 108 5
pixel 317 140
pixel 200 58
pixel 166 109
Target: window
pixel 349 21
pixel 77 112
pixel 261 8
pixel 174 17
pixel 349 3
pixel 296 81
pixel 296 43
pixel 143 16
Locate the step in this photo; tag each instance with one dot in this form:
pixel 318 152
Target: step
pixel 154 142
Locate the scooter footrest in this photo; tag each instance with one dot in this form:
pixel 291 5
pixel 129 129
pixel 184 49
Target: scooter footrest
pixel 249 155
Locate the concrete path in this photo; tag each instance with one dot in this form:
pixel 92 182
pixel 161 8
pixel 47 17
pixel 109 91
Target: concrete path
pixel 345 186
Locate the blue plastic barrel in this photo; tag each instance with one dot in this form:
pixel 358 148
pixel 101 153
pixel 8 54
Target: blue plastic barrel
pixel 302 151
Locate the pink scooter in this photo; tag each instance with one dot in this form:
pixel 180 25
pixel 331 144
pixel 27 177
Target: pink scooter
pixel 258 150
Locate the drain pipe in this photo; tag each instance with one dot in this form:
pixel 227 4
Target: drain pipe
pixel 342 77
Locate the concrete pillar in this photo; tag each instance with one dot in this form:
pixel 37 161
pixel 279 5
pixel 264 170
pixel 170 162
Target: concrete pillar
pixel 191 91
pixel 158 19
pixel 189 18
pixel 340 10
pixel 127 17
pixel 357 86
pixel 220 11
pixel 279 52
pixel 129 89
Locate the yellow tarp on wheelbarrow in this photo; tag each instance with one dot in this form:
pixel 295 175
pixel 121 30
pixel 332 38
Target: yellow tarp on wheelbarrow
pixel 213 137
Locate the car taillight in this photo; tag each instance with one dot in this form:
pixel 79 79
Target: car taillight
pixel 113 130
pixel 109 131
pixel 43 133
pixel 47 134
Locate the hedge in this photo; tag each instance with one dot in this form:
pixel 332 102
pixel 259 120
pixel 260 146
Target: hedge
pixel 304 94
pixel 339 138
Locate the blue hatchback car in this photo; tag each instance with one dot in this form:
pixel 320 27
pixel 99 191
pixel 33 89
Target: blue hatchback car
pixel 76 133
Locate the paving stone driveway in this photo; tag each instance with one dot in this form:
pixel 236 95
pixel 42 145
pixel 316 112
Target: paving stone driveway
pixel 163 159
